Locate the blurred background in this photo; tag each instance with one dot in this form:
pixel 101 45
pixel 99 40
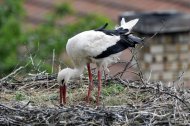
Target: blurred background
pixel 33 33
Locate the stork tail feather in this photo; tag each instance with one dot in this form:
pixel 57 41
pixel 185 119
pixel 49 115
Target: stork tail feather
pixel 102 27
pixel 128 25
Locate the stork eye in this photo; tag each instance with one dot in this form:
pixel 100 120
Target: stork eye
pixel 62 81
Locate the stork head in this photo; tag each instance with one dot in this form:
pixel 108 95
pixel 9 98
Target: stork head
pixel 64 76
pixel 127 25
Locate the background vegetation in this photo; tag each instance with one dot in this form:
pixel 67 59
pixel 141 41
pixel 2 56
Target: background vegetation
pixel 41 42
pixel 11 13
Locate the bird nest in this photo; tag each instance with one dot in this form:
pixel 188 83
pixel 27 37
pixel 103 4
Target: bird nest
pixel 138 103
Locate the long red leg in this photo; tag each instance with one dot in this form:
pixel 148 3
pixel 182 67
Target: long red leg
pixel 99 86
pixel 61 95
pixel 91 84
pixel 105 76
pixel 64 93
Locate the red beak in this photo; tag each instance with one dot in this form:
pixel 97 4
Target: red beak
pixel 63 89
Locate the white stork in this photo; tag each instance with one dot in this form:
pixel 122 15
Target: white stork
pixel 99 46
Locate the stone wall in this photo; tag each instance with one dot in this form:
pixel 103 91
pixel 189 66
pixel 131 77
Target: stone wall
pixel 166 56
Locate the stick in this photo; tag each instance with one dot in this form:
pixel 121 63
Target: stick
pixel 53 61
pixel 11 74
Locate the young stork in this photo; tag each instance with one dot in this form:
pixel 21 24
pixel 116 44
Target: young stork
pixel 99 46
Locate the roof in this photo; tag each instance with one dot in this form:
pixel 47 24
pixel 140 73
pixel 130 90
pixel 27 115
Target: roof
pixel 159 21
pixel 37 10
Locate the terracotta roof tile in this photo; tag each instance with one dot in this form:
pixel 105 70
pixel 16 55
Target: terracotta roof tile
pixel 88 7
pixel 37 9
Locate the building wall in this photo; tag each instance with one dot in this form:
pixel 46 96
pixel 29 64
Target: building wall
pixel 166 57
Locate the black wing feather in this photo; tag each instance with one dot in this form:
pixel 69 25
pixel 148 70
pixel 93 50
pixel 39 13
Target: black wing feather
pixel 124 42
pixel 119 31
pixel 102 27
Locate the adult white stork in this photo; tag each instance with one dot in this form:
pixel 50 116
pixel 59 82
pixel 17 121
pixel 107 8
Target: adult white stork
pixel 99 46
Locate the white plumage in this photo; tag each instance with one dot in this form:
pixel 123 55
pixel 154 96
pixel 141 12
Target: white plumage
pixel 129 25
pixel 101 47
pixel 83 47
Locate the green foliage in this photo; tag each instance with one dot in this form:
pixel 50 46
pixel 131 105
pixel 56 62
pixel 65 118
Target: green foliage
pixel 63 9
pixel 53 97
pixel 20 96
pixel 10 8
pixel 89 22
pixel 41 41
pixel 10 32
pixel 48 36
pixel 53 37
pixel 113 89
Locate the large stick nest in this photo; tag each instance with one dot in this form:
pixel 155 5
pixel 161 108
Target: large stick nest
pixel 150 103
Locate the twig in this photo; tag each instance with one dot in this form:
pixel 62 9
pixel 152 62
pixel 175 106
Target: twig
pixel 53 60
pixel 150 113
pixel 11 74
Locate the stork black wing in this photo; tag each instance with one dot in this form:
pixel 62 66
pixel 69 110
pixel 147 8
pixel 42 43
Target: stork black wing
pixel 119 31
pixel 124 42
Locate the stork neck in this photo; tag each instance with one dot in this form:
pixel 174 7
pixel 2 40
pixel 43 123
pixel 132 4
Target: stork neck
pixel 76 72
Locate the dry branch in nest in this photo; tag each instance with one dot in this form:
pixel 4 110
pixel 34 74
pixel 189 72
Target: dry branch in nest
pixel 159 105
pixel 151 103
